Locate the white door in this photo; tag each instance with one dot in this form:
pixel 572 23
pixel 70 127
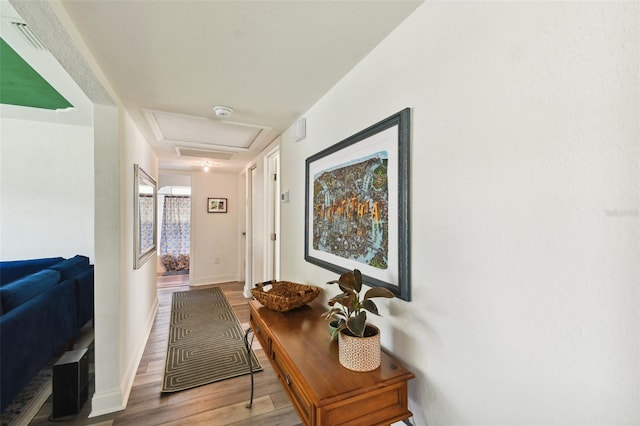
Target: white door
pixel 242 252
pixel 249 238
pixel 273 216
pixel 256 261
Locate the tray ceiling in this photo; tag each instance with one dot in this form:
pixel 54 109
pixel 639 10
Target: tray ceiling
pixel 183 129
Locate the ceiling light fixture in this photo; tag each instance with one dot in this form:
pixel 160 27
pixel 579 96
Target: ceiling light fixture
pixel 222 111
pixel 206 166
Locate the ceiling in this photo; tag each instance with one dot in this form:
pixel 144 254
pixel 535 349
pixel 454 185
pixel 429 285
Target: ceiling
pixel 170 62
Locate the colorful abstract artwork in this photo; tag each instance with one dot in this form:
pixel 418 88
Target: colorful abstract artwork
pixel 351 214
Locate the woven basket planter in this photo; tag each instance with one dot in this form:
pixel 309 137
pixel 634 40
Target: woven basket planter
pixel 359 353
pixel 284 295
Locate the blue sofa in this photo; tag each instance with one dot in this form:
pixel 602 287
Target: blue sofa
pixel 43 305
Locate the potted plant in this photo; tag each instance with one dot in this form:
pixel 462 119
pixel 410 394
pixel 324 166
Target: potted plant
pixel 358 342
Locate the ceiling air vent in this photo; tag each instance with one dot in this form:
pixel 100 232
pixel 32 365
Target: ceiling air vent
pixel 184 151
pixel 27 34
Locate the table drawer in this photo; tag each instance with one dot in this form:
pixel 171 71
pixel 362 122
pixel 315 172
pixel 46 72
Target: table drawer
pixel 378 407
pixel 291 385
pixel 262 334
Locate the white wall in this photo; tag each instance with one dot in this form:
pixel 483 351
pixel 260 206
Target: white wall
pixel 138 292
pixel 109 394
pixel 525 205
pixel 126 298
pixel 173 178
pixel 46 175
pixel 214 236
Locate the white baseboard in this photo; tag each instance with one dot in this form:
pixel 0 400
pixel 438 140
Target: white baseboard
pixel 107 402
pixel 116 399
pixel 214 279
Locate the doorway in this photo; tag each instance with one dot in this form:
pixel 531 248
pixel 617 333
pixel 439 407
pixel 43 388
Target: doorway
pixel 250 233
pixel 273 216
pixel 174 232
pixel 262 221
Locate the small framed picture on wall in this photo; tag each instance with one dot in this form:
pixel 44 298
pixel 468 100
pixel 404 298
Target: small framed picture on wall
pixel 216 205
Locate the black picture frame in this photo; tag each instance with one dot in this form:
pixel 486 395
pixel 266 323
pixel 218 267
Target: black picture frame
pixel 217 205
pixel 348 218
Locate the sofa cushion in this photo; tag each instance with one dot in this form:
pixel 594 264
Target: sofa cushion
pixel 32 334
pixel 11 270
pixel 71 267
pixel 26 288
pixel 85 295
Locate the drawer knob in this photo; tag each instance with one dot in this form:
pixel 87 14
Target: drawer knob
pixel 287 379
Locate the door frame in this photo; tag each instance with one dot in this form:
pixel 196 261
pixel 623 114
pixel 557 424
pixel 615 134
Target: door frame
pixel 249 222
pixel 272 202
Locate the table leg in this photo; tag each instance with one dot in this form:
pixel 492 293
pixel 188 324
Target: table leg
pixel 247 345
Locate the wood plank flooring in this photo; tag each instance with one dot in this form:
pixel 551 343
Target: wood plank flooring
pixel 221 403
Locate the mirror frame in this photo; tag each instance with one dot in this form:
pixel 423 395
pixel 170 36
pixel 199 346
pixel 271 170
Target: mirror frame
pixel 140 254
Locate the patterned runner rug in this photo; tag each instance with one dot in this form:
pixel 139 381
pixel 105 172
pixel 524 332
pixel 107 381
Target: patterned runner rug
pixel 206 341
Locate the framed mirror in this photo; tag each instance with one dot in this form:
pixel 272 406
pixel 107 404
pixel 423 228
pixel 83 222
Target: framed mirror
pixel 145 191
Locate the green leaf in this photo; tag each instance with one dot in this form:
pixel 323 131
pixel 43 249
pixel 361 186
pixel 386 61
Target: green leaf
pixel 370 306
pixel 378 292
pixel 340 298
pixel 357 323
pixel 335 331
pixel 357 275
pixel 333 313
pixel 348 281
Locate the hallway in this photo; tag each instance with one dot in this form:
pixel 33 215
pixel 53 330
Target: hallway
pixel 221 403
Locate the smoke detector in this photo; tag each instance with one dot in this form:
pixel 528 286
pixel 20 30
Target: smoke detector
pixel 222 111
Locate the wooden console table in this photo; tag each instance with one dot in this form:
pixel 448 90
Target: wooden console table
pixel 322 391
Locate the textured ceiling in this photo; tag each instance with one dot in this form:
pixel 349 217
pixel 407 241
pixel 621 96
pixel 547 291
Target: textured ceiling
pixel 268 60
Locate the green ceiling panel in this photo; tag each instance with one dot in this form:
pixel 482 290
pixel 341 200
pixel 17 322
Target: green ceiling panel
pixel 22 85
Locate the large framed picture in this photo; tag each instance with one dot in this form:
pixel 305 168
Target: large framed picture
pixel 357 205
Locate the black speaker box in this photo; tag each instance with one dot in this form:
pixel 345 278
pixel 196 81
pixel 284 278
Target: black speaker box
pixel 70 383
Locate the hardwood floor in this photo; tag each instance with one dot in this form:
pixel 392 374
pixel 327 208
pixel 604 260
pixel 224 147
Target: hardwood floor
pixel 221 403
